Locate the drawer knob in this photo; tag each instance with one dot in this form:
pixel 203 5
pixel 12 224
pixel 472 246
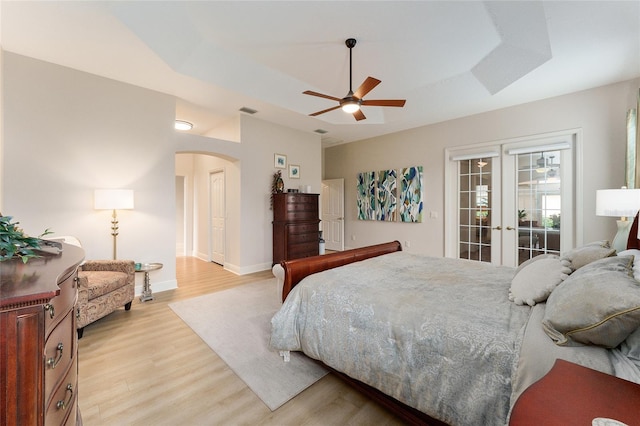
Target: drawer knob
pixel 61 405
pixel 51 362
pixel 49 307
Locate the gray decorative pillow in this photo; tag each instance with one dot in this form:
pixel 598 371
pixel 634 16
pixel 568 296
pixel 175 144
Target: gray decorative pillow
pixel 535 282
pixel 597 305
pixel 581 256
pixel 636 261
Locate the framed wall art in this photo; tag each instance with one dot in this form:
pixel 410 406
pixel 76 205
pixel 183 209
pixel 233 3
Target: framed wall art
pixel 386 195
pixel 411 202
pixel 366 196
pixel 294 171
pixel 280 161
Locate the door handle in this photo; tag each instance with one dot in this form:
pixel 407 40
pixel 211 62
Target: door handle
pixel 510 228
pixel 498 228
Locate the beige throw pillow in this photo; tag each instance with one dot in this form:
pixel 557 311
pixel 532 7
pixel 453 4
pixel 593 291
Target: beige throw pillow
pixel 535 282
pixel 581 256
pixel 597 305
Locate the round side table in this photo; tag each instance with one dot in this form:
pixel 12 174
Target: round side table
pixel 146 290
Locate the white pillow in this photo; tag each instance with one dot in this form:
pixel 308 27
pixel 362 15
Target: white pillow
pixel 636 261
pixel 535 282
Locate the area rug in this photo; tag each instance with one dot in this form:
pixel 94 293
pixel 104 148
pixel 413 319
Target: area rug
pixel 236 324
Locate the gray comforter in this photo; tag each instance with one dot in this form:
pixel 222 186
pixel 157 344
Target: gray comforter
pixel 437 334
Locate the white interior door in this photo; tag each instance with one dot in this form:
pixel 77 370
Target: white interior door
pixel 217 216
pixel 181 233
pixel 332 217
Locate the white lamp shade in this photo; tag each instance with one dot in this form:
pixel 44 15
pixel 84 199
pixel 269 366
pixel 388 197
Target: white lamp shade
pixel 113 199
pixel 617 202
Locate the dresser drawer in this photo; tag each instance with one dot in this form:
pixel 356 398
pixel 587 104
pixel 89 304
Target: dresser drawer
pixel 303 238
pixel 301 215
pixel 58 307
pixel 301 199
pixel 59 351
pixel 304 250
pixel 303 228
pixel 63 401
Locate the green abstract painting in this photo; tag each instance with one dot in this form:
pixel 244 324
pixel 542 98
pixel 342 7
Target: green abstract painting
pixel 411 203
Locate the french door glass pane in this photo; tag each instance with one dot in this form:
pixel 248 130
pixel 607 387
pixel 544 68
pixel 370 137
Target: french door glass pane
pixel 474 233
pixel 539 189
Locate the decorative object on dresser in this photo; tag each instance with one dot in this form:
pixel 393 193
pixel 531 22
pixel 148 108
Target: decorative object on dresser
pixel 14 243
pixel 103 287
pixel 296 222
pixel 38 345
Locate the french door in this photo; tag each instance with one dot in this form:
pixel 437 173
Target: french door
pixel 512 200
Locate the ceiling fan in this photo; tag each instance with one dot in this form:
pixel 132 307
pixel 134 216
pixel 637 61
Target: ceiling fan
pixel 353 101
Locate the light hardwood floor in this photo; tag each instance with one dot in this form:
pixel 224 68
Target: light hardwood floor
pixel 147 367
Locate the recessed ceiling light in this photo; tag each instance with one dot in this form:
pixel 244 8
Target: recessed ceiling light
pixel 183 125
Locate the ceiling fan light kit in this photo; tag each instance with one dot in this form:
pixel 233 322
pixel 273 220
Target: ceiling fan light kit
pixel 353 101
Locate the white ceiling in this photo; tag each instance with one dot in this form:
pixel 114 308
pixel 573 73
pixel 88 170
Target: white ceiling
pixel 448 59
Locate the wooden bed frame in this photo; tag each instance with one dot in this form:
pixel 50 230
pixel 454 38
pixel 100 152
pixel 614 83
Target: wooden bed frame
pixel 296 270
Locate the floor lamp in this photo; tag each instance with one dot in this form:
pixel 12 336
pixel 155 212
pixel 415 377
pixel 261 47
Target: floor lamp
pixel 113 199
pixel 622 203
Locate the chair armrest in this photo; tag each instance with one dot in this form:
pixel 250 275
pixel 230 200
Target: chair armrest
pixel 126 266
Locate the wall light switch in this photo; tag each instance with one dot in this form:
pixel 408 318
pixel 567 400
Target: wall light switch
pixel 433 215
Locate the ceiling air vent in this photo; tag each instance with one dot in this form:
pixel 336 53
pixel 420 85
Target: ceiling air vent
pixel 248 110
pixel 321 131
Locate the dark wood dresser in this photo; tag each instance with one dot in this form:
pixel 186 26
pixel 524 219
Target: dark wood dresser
pixel 38 341
pixel 296 223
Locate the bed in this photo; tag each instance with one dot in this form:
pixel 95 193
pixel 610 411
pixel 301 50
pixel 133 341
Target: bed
pixel 445 341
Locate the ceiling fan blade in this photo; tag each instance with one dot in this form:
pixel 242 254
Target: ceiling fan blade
pixel 320 95
pixel 358 115
pixel 324 110
pixel 366 87
pixel 385 102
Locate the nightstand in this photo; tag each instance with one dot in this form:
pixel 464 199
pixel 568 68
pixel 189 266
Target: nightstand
pixel 574 395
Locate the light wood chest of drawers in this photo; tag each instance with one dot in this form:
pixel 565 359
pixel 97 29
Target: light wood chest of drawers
pixel 38 340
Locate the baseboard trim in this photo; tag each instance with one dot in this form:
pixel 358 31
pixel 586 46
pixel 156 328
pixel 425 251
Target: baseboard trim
pixel 157 287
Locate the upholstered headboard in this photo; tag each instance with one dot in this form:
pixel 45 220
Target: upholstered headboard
pixel 632 241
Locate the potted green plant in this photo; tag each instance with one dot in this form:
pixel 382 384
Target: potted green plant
pixel 522 218
pixel 14 243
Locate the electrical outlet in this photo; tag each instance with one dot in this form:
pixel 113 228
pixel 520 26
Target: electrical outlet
pixel 433 215
pixel 353 238
pixel 407 244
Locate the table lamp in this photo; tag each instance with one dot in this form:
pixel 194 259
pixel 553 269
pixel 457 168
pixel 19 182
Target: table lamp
pixel 622 203
pixel 113 199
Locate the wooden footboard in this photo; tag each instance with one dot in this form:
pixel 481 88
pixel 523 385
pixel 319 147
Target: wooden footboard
pixel 295 270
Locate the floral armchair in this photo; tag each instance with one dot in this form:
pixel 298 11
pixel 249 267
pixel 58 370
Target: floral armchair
pixel 103 287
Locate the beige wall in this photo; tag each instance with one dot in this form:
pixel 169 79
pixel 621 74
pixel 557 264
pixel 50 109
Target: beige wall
pixel 67 133
pixel 599 113
pixel 249 167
